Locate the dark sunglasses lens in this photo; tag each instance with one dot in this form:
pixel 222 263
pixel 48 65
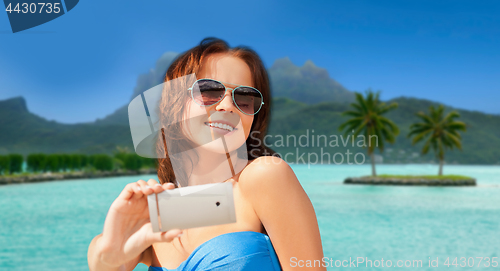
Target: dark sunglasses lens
pixel 208 92
pixel 249 100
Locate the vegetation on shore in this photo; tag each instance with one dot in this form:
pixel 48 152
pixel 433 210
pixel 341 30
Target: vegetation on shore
pixel 428 177
pixel 11 163
pixel 83 174
pixel 39 163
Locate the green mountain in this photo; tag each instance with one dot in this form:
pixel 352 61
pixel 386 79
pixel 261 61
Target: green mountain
pixel 306 103
pixel 481 142
pixel 24 132
pixel 119 117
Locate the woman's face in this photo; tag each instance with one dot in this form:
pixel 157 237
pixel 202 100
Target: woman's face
pixel 201 121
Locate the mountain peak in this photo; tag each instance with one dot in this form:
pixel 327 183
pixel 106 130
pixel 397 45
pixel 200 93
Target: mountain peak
pixel 154 76
pixel 17 104
pixel 310 69
pixel 281 63
pixel 309 84
pixel 309 63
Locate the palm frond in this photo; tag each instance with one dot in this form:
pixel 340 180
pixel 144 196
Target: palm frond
pixel 426 118
pixel 352 113
pixel 366 118
pixel 388 135
pixel 420 126
pixel 387 108
pixel 361 102
pixel 415 131
pixel 354 121
pixel 456 125
pixel 419 136
pixel 451 116
pixel 393 127
pixel 454 140
pixel 426 147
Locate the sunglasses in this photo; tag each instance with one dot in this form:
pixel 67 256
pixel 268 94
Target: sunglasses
pixel 207 92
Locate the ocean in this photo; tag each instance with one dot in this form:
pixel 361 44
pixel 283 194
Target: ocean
pixel 48 226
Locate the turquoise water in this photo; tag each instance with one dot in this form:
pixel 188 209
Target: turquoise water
pixel 48 226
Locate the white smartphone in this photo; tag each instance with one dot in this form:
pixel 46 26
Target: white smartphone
pixel 192 206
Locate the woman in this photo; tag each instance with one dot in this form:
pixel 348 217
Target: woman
pixel 276 224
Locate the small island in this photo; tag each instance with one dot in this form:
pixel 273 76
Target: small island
pixel 426 180
pixel 438 130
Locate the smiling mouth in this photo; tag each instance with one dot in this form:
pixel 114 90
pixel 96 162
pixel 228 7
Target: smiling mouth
pixel 220 126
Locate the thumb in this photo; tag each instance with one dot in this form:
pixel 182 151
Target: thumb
pixel 167 236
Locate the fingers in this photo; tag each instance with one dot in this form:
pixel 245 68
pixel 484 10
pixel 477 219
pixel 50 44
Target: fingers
pixel 128 192
pixel 138 191
pixel 146 188
pixel 167 236
pixel 152 186
pixel 168 186
pixel 157 188
pixel 140 188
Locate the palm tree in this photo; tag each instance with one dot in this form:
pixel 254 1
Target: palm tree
pixel 367 120
pixel 441 133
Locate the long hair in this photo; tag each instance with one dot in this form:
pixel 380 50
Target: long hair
pixel 173 105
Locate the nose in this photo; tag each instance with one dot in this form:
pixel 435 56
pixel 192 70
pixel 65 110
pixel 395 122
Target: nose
pixel 227 102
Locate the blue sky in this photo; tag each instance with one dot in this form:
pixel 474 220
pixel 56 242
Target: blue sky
pixel 84 65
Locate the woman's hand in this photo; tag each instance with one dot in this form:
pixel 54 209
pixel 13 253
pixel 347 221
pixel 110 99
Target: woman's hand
pixel 127 230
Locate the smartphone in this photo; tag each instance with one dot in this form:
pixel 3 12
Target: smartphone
pixel 192 207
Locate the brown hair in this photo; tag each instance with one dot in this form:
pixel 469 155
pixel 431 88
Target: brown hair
pixel 173 104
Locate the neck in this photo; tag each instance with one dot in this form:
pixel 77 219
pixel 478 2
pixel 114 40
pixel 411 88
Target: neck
pixel 215 167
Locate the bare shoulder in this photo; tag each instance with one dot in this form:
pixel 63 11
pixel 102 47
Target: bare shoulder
pixel 270 176
pixel 266 172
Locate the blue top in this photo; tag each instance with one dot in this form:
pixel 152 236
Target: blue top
pixel 244 250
